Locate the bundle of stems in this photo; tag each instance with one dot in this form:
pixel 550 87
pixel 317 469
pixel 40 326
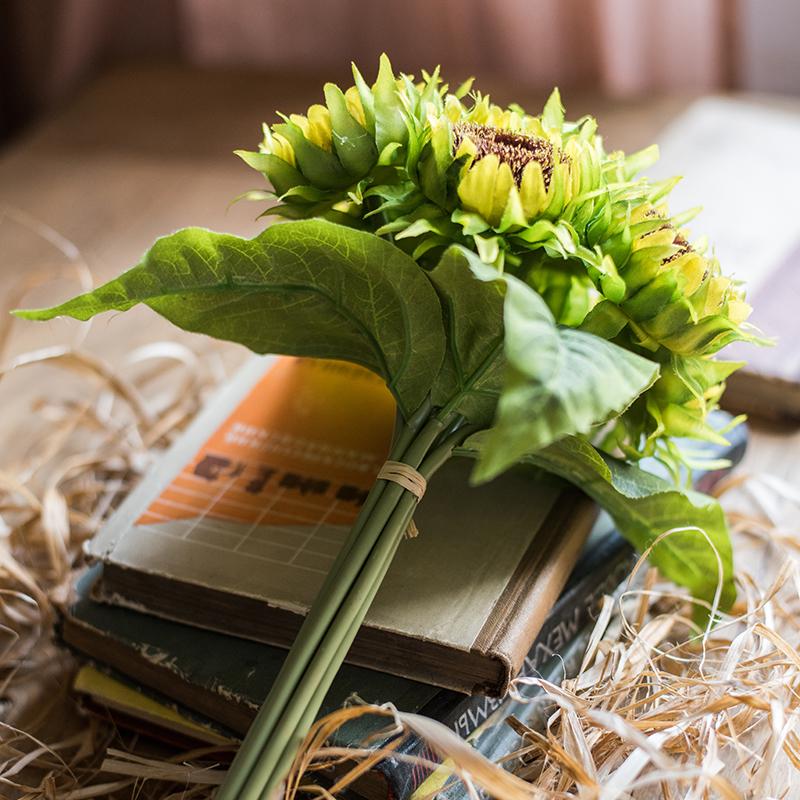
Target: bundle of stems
pixel 424 443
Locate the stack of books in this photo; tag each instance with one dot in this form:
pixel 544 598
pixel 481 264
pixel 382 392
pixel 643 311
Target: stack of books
pixel 202 577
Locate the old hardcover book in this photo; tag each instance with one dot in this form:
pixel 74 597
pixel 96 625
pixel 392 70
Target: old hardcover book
pixel 408 771
pixel 110 696
pixel 742 164
pixel 237 526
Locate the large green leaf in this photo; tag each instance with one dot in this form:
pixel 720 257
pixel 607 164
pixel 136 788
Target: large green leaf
pixel 308 288
pixel 644 506
pixel 559 381
pixel 473 367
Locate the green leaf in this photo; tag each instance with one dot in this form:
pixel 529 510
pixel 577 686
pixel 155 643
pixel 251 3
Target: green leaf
pixel 436 161
pixel 354 146
pixel 644 507
pixel 605 320
pixel 464 88
pixel 689 423
pixel 652 298
pixel 390 125
pixel 708 336
pixel 473 366
pixel 553 113
pixel 308 288
pixel 367 100
pixel 430 91
pixel 639 161
pixel 323 169
pixel 700 374
pixel 559 381
pixel 282 175
pixel 472 224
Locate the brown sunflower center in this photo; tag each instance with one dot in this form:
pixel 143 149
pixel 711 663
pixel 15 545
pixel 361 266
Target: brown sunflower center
pixel 683 245
pixel 515 149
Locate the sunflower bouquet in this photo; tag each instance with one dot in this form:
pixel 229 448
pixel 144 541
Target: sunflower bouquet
pixel 526 295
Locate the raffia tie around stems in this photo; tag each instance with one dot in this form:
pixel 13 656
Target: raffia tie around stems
pixel 411 480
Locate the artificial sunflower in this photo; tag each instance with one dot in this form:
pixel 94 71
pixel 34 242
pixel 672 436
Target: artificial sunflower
pixel 537 197
pixel 526 295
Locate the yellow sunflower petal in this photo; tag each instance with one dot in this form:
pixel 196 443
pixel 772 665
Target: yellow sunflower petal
pixel 484 188
pixel 738 311
pixel 278 146
pixel 575 156
pixel 353 101
pixel 319 126
pixel 453 108
pixel 717 289
pixel 532 191
pixel 558 190
pixel 656 238
pixel 693 267
pixel 641 213
pixel 302 122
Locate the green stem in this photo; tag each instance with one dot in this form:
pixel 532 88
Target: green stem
pixel 308 711
pixel 380 504
pixel 264 772
pixel 277 756
pixel 296 659
pixel 286 759
pixel 404 435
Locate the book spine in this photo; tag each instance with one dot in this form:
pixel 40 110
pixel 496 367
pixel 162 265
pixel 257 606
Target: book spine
pixel 406 771
pixel 496 739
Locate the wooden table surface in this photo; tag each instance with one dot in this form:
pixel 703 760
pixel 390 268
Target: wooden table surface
pixel 148 149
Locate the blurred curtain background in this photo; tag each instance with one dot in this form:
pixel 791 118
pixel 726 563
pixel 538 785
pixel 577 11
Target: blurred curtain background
pixel 617 47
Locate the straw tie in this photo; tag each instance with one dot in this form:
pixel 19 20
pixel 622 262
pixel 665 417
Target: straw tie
pixel 411 480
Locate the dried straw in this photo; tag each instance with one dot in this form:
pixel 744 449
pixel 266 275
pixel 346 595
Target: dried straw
pixel 658 709
pixel 82 457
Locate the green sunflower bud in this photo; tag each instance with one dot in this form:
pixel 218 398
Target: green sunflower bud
pixel 674 293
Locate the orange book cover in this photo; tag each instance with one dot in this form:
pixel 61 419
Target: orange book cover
pixel 288 467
